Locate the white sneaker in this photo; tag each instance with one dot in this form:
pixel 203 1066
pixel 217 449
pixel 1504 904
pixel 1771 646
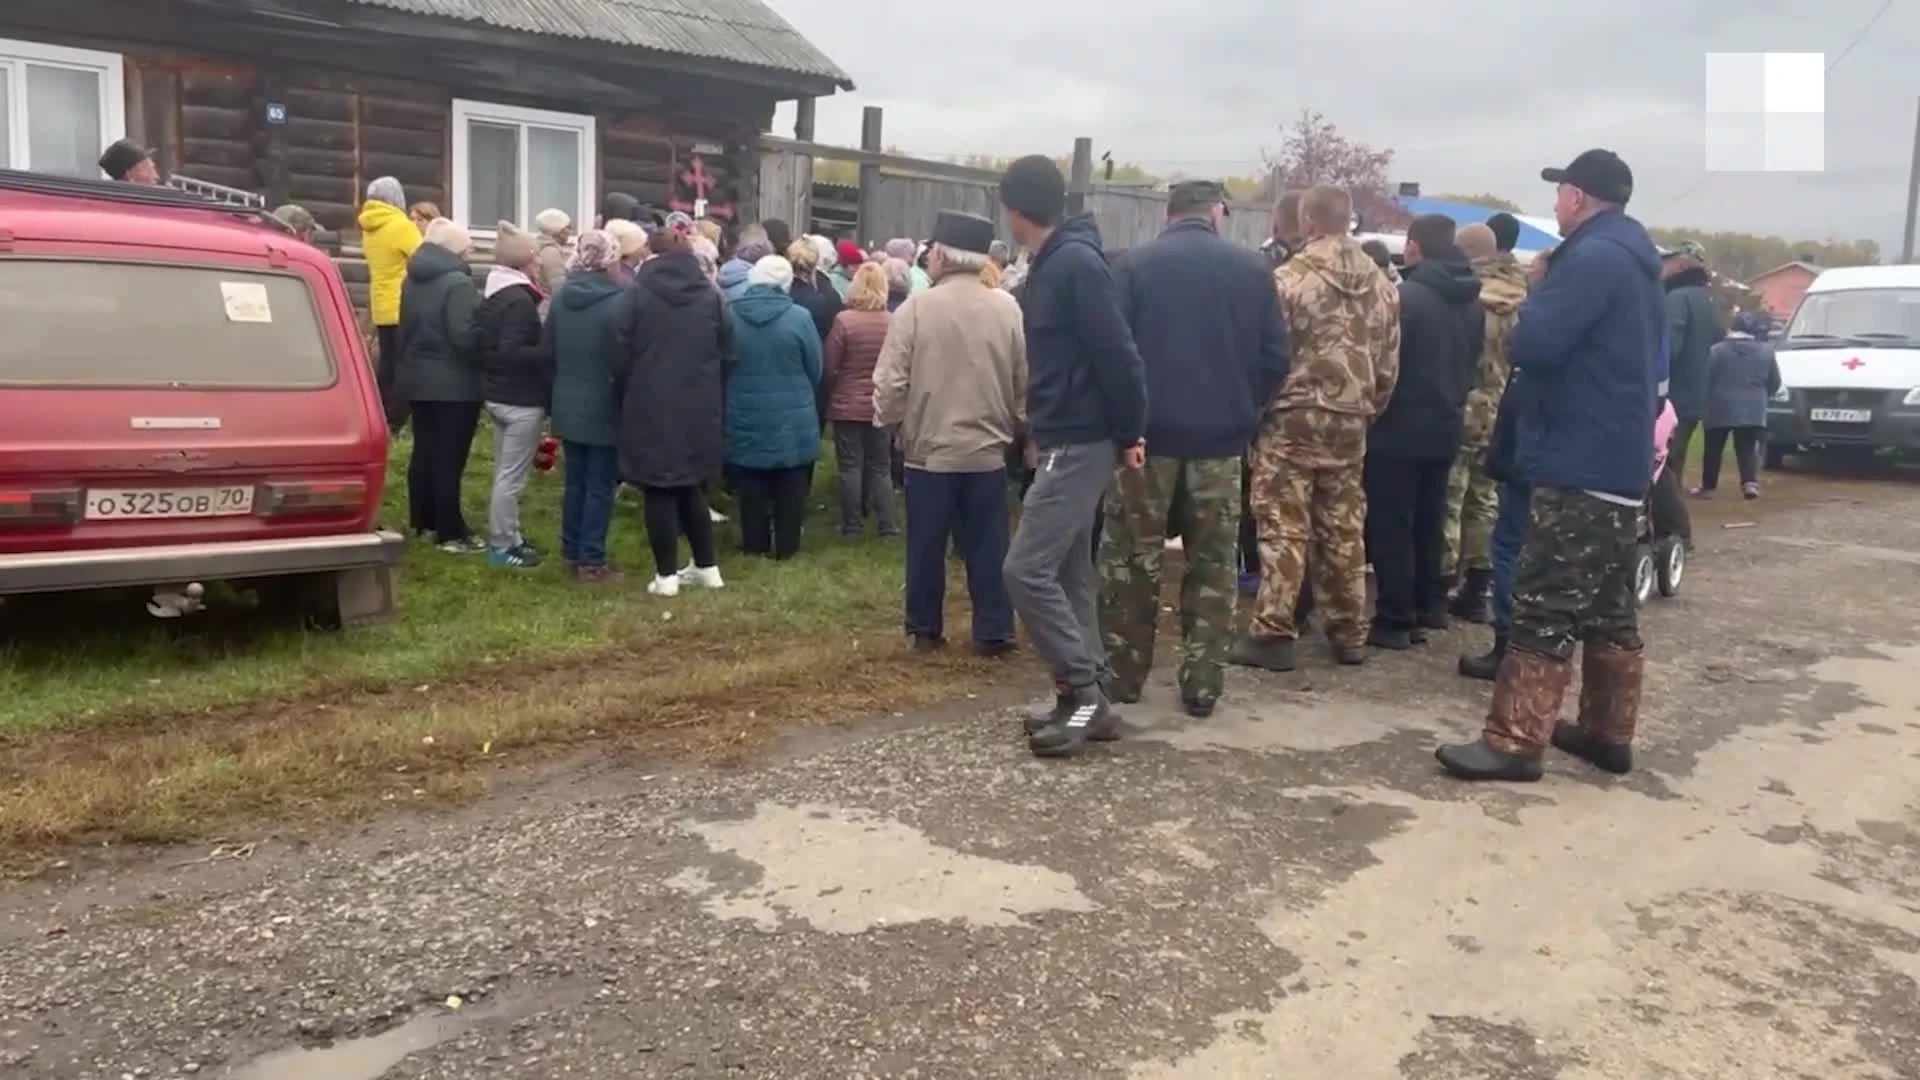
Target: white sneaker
pixel 664 586
pixel 701 577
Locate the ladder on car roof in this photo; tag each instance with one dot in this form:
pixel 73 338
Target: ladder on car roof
pixel 134 194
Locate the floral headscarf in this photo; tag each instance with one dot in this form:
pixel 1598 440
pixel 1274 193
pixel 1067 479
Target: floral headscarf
pixel 594 249
pixel 708 254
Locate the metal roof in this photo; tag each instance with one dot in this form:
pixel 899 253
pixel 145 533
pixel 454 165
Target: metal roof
pixel 732 31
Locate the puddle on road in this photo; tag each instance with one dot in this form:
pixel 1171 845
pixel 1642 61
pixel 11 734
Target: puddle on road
pixel 371 1057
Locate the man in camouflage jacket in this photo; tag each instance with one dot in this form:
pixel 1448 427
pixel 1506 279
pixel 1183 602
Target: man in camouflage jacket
pixel 1343 320
pixel 1472 496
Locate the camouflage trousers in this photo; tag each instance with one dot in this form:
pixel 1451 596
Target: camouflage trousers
pixel 1309 495
pixel 1574 583
pixel 1473 499
pixel 1139 511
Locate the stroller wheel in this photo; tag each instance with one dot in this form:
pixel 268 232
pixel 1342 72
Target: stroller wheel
pixel 1645 576
pixel 1670 563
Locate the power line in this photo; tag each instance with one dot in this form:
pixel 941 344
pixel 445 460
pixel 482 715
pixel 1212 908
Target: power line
pixel 1858 37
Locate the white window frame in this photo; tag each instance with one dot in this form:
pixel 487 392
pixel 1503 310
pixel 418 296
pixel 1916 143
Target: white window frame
pixel 465 111
pixel 109 67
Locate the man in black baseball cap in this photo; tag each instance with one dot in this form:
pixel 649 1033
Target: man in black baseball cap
pixel 1586 352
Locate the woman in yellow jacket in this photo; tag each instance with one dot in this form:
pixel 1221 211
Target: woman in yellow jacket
pixel 388 238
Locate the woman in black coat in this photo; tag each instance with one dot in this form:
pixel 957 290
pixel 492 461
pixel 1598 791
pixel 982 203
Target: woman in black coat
pixel 672 347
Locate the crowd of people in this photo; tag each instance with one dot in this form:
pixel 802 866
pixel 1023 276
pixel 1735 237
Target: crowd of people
pixel 1478 434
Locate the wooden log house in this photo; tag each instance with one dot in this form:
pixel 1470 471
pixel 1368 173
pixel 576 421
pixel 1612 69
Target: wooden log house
pixel 492 109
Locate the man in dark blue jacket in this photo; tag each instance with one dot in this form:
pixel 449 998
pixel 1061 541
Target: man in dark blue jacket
pixel 1087 411
pixel 1206 317
pixel 1586 354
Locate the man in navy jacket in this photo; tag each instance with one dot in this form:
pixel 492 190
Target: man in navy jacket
pixel 1087 410
pixel 1206 317
pixel 1586 354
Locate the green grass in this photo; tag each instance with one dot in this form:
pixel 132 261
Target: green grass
pixel 71 663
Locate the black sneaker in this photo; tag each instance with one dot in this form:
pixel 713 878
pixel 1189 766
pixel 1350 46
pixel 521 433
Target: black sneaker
pixel 926 643
pixel 1043 715
pixel 1088 716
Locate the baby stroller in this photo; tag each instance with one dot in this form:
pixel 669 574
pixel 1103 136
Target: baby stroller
pixel 1661 555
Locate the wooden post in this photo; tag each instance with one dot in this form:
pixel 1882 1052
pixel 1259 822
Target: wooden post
pixel 870 141
pixel 1080 177
pixel 803 119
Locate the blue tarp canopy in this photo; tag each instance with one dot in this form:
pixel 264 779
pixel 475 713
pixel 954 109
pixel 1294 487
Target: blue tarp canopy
pixel 1536 234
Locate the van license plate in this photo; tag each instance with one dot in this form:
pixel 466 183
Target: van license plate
pixel 155 503
pixel 1841 416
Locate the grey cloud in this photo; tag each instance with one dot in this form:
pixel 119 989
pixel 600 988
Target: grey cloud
pixel 1472 97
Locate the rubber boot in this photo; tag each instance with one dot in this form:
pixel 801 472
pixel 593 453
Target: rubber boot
pixel 1526 703
pixel 1474 602
pixel 1486 667
pixel 1609 709
pixel 1268 654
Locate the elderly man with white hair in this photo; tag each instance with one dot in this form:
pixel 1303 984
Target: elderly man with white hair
pixel 388 238
pixel 952 384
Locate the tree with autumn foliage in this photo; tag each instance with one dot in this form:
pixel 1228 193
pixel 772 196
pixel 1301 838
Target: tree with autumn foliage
pixel 1314 151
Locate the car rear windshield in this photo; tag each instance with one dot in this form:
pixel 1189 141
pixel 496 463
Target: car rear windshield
pixel 1859 317
pixel 81 323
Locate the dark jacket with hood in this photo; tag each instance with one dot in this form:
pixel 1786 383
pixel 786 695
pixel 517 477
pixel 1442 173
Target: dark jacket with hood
pixel 773 420
pixel 1206 318
pixel 1086 383
pixel 673 344
pixel 1741 375
pixel 580 324
pixel 1586 354
pixel 1442 330
pixel 822 301
pixel 1693 329
pixel 439 337
pixel 516 368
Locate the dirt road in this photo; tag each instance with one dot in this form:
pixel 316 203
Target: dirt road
pixel 1288 890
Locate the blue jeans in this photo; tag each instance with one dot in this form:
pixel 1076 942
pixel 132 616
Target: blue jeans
pixel 586 510
pixel 971 508
pixel 1509 534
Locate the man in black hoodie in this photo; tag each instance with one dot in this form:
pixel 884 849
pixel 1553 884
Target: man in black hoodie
pixel 1087 410
pixel 1411 446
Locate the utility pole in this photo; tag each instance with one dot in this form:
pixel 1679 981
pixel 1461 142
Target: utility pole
pixel 1913 192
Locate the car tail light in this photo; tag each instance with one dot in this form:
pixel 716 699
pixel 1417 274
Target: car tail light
pixel 39 506
pixel 319 497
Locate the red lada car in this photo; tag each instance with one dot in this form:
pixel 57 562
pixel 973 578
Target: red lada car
pixel 184 398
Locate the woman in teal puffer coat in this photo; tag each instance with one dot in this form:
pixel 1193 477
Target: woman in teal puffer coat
pixel 773 422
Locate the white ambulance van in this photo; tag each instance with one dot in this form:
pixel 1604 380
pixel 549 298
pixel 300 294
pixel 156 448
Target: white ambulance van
pixel 1850 366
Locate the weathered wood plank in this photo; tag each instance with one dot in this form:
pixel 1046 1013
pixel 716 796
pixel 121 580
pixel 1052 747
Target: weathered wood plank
pixel 406 115
pixel 308 103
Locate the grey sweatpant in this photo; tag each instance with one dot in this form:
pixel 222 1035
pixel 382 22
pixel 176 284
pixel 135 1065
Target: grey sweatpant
pixel 516 437
pixel 1049 568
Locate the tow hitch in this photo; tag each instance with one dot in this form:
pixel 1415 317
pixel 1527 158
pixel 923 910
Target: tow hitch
pixel 172 602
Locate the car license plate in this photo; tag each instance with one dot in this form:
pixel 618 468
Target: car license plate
pixel 1840 416
pixel 144 504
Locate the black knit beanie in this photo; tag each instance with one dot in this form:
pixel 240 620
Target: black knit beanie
pixel 1506 230
pixel 1033 188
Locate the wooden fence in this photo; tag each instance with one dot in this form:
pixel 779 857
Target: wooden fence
pixel 901 196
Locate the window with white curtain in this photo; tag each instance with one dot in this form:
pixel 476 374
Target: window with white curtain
pixel 510 163
pixel 59 107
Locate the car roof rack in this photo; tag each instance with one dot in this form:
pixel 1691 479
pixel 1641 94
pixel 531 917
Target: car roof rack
pixel 132 194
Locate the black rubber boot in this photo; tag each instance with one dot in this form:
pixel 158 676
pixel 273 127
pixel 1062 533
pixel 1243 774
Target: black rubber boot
pixel 1616 758
pixel 1474 602
pixel 1478 761
pixel 1088 717
pixel 1350 655
pixel 1269 654
pixel 1486 667
pixel 1395 638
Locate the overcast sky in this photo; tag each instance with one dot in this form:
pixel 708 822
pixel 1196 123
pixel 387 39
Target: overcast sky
pixel 1472 96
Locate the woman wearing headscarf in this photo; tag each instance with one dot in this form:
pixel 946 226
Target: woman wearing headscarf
pixel 440 375
pixel 908 252
pixel 734 272
pixel 672 346
pixel 862 452
pixel 811 290
pixel 772 423
pixel 553 241
pixel 586 415
pixel 1742 374
pixel 388 238
pixel 899 282
pixel 630 241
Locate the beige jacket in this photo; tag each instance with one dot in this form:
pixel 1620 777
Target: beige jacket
pixel 952 376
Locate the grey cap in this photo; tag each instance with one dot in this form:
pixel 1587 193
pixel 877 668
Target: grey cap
pixel 1190 195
